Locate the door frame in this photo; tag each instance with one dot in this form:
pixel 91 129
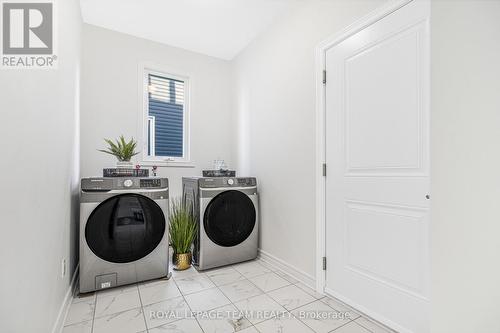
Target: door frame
pixel 320 65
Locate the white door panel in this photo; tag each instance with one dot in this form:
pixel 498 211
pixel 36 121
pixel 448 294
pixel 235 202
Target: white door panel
pixel 377 152
pixel 369 248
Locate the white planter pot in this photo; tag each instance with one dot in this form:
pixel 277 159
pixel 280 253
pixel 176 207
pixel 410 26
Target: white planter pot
pixel 124 165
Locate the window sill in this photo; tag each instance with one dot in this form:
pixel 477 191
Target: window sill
pixel 171 164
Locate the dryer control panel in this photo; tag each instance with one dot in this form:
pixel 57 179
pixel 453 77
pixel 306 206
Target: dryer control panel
pixel 227 182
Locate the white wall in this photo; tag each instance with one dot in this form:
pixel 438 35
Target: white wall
pixel 39 182
pixel 110 100
pixel 275 102
pixel 465 120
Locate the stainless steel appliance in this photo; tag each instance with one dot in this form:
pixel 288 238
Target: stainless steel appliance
pixel 226 210
pixel 123 231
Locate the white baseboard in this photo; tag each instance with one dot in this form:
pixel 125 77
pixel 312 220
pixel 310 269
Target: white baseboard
pixel 68 299
pixel 291 270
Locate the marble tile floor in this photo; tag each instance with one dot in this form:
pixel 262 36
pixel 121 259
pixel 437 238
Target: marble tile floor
pixel 249 297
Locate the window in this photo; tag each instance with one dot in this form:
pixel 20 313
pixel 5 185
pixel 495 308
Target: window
pixel 165 117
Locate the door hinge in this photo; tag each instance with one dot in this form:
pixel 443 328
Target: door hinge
pixel 324 263
pixel 324 169
pixel 324 76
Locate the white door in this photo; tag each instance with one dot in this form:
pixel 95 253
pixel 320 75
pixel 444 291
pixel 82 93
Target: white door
pixel 377 155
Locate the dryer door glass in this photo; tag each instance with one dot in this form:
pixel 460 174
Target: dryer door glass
pixel 229 218
pixel 125 228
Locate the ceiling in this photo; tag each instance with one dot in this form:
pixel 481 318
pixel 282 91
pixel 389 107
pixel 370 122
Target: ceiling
pixel 218 28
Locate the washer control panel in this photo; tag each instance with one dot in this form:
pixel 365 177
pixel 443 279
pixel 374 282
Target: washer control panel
pixel 150 183
pixel 246 181
pixel 122 183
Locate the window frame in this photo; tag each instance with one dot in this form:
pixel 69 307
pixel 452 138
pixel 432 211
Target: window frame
pixel 185 160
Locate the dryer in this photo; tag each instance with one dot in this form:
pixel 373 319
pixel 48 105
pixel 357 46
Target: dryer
pixel 226 210
pixel 123 231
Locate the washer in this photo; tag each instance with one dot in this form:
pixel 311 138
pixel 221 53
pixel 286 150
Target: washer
pixel 226 210
pixel 123 231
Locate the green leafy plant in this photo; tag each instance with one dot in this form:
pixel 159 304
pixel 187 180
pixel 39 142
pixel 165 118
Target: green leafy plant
pixel 121 149
pixel 182 226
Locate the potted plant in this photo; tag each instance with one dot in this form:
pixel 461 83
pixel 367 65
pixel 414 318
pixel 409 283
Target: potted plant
pixel 182 231
pixel 122 150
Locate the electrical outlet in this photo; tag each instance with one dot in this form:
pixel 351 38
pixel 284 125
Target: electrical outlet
pixel 63 268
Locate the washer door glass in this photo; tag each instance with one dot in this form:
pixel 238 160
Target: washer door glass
pixel 229 218
pixel 125 228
